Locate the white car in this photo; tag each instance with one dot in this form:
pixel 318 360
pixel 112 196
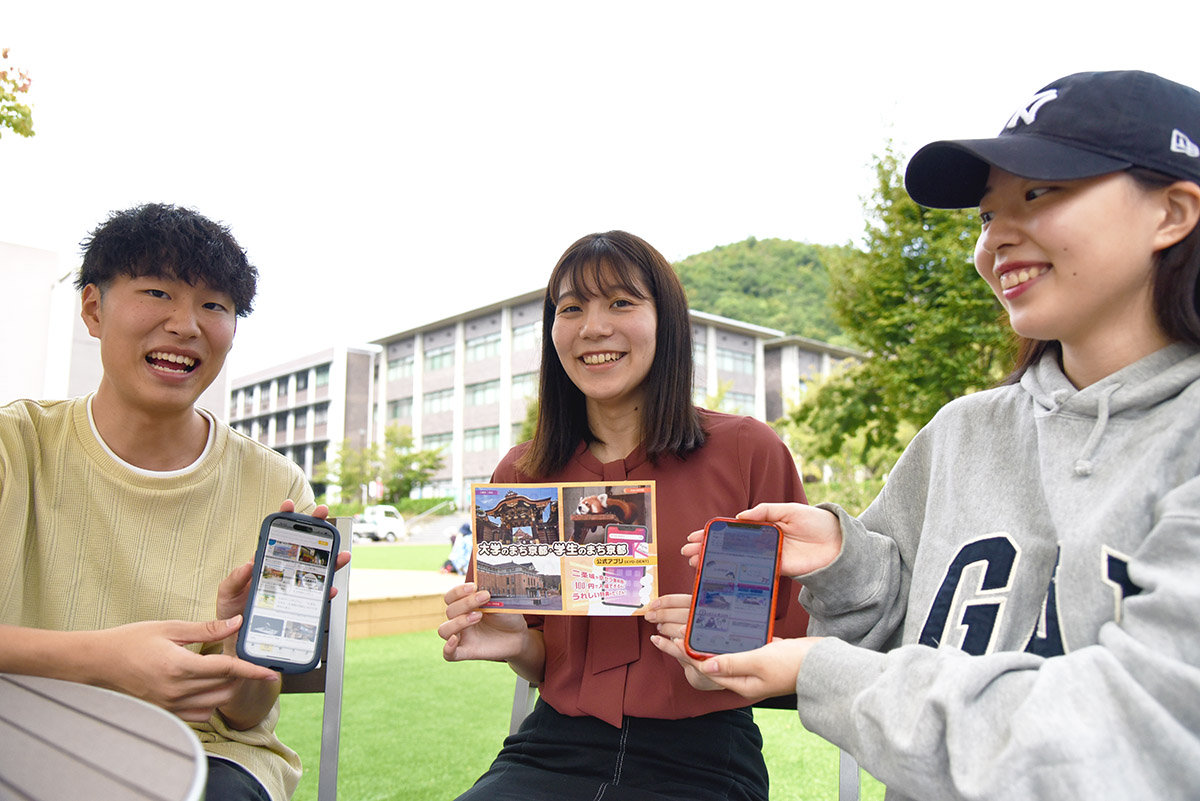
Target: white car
pixel 380 523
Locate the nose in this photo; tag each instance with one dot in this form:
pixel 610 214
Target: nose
pixel 1000 231
pixel 595 323
pixel 183 321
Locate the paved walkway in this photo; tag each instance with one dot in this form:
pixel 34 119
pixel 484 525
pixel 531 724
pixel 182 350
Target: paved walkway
pixel 367 584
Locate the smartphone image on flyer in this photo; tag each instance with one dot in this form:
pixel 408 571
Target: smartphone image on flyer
pixel 626 586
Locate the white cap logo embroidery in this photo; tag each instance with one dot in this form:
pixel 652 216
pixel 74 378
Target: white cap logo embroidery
pixel 1181 144
pixel 1029 113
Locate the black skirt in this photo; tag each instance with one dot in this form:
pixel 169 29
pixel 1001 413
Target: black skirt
pixel 714 757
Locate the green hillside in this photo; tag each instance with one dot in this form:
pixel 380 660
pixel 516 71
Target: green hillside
pixel 776 283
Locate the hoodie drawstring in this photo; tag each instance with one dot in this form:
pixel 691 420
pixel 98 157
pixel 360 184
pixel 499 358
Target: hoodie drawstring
pixel 1083 465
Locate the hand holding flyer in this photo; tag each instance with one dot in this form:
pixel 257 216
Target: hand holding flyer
pixel 567 548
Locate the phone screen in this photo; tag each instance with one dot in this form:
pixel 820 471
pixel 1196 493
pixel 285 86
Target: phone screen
pixel 290 592
pixel 623 585
pixel 735 589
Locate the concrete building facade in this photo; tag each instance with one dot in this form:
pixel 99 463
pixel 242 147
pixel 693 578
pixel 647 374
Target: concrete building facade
pixel 307 407
pixel 464 384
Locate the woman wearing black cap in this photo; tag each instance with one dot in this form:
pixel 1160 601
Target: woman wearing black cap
pixel 1016 614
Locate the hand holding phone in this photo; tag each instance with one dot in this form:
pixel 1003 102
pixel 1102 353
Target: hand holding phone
pixel 283 626
pixel 733 603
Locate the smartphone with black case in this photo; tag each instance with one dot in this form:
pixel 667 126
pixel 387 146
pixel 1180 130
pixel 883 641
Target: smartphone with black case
pixel 733 603
pixel 283 627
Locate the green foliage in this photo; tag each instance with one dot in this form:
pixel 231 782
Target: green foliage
pixel 776 283
pixel 912 300
pixel 405 468
pixel 529 424
pixel 411 507
pixel 397 465
pixel 14 82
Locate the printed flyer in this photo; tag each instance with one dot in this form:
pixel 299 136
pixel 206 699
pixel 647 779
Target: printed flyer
pixel 566 549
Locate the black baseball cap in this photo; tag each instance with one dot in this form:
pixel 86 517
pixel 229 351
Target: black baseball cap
pixel 1080 126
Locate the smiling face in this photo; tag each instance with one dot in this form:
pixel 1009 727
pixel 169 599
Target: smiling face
pixel 162 341
pixel 1073 261
pixel 605 338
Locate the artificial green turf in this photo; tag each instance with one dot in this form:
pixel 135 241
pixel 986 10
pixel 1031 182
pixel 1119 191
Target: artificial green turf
pixel 417 728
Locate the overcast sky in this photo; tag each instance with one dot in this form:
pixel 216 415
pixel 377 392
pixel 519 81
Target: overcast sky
pixel 389 164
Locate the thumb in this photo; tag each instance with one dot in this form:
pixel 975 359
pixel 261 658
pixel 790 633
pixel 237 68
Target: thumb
pixel 208 631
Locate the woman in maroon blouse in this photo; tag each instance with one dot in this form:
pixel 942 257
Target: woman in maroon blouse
pixel 617 718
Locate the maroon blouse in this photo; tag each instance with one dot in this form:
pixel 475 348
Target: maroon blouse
pixel 607 667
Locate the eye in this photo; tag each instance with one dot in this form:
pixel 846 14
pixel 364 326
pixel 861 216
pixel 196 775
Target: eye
pixel 567 308
pixel 622 303
pixel 157 293
pixel 985 217
pixel 213 305
pixel 1038 191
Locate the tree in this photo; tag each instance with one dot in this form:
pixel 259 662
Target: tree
pixel 913 301
pixel 404 468
pixel 14 82
pixel 777 283
pixel 396 465
pixel 351 470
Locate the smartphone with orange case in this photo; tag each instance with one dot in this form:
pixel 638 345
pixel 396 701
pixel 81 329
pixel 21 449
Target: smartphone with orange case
pixel 733 603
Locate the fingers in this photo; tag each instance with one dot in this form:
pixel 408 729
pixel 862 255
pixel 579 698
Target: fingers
pixel 287 506
pixel 321 512
pixel 184 633
pixel 768 512
pixel 670 614
pixel 463 599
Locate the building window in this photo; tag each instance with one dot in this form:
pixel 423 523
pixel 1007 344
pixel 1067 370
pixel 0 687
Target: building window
pixel 300 418
pixel 484 347
pixel 281 387
pixel 323 376
pixel 483 393
pixel 439 358
pixel 699 355
pixel 301 380
pixel 281 421
pixel 398 409
pixel 321 414
pixel 264 391
pixel 524 386
pixel 400 368
pixel 481 439
pixel 440 401
pixel 320 456
pixel 733 361
pixel 526 337
pixel 437 442
pixel 737 403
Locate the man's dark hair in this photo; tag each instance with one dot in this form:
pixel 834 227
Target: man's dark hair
pixel 164 241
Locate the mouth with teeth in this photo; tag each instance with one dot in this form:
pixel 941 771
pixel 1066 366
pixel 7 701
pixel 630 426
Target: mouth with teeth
pixel 171 362
pixel 601 358
pixel 1015 278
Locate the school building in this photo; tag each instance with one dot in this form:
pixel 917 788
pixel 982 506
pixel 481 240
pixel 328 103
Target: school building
pixel 463 384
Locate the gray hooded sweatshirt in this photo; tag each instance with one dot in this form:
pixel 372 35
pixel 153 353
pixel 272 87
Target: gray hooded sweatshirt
pixel 1026 595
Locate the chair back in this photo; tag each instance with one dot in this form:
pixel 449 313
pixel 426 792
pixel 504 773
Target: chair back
pixel 327 677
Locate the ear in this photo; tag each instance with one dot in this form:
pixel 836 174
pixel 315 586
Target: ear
pixel 91 309
pixel 1182 212
pixel 603 498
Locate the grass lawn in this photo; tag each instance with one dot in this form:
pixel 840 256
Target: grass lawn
pixel 417 728
pixel 400 557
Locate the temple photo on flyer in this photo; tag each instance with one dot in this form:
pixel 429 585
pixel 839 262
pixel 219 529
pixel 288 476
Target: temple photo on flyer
pixel 566 548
